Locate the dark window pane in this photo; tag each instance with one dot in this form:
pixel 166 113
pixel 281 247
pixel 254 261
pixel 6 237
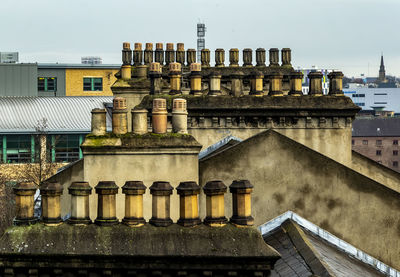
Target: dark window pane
pixel 41 84
pixel 87 84
pixel 98 84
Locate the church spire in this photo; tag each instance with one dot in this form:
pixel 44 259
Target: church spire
pixel 382 74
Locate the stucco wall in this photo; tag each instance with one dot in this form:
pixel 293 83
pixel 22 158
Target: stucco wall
pixel 334 142
pixel 173 168
pixel 288 176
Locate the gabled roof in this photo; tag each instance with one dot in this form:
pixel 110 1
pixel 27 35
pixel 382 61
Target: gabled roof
pixel 308 249
pixel 377 127
pixel 70 114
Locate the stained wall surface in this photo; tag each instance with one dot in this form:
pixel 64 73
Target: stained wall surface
pixel 289 176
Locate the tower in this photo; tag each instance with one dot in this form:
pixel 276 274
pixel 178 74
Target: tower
pixel 201 42
pixel 382 76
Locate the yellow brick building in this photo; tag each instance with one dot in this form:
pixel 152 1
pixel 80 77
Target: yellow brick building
pixel 76 79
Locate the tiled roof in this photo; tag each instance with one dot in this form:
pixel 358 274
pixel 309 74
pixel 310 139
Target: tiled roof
pixel 63 114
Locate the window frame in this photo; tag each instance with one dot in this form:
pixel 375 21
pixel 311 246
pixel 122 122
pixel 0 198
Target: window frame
pixel 89 84
pixel 46 84
pixel 378 152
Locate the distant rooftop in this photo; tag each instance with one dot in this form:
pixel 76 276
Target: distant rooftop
pixel 376 127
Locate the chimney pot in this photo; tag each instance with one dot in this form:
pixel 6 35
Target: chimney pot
pixel 159 116
pixel 296 79
pixel 195 79
pixel 137 54
pixel 148 54
pixel 256 83
pixel 126 54
pixel 139 121
pixel 119 116
pixel 51 210
pixel 260 57
pixel 79 192
pixel 336 83
pixel 274 57
pixel 161 192
pixel 215 84
pixel 155 75
pixel 106 205
pixel 215 203
pixel 99 122
pixel 175 78
pixel 241 202
pixel 134 191
pixel 275 84
pixel 205 58
pixel 237 83
pixel 286 54
pixel 189 207
pixel 126 46
pixel 159 53
pixel 191 56
pixel 219 57
pixel 315 83
pixel 247 57
pixel 24 198
pixel 169 54
pixel 234 57
pixel 155 67
pixel 179 116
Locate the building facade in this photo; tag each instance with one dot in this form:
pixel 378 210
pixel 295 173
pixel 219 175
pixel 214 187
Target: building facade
pixel 375 98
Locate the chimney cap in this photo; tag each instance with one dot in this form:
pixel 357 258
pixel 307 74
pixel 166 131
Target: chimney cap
pixel 247 50
pixel 149 46
pixel 214 74
pixel 315 75
pixel 277 75
pixel 240 186
pixel 106 187
pixel 180 46
pixel 214 188
pixel 25 188
pixel 159 46
pixel 260 49
pixel 133 186
pixel 126 46
pixel 51 188
pixel 170 46
pixel 188 188
pixel 335 74
pixel 138 46
pixel 286 49
pixel 161 188
pixel 80 188
pixel 273 49
pixel 297 74
pixel 257 73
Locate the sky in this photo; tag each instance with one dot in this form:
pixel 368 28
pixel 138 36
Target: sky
pixel 347 35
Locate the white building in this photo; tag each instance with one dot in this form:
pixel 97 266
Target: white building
pixel 375 98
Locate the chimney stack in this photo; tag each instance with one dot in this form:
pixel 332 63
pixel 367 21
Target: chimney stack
pixel 275 84
pixel 139 121
pixel 234 57
pixel 188 204
pixel 155 75
pixel 99 122
pixel 175 71
pixel 51 210
pixel 296 79
pixel 106 205
pixel 195 79
pixel 119 116
pixel 256 83
pixel 190 56
pixel 315 79
pixel 205 58
pixel 215 209
pixel 241 202
pixel 148 54
pixel 126 69
pixel 260 57
pixel 274 57
pixel 24 198
pixel 161 192
pixel 180 53
pixel 219 57
pixel 137 54
pixel 80 192
pixel 215 84
pixel 336 83
pixel 169 54
pixel 179 116
pixel 159 54
pixel 134 191
pixel 159 116
pixel 247 57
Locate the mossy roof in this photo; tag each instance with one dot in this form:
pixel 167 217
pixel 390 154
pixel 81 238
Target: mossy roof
pixel 145 141
pixel 121 240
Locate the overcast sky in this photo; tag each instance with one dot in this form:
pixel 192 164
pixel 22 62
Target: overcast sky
pixel 348 35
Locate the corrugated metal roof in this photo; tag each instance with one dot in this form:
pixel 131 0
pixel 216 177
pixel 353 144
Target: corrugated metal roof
pixel 376 127
pixel 63 114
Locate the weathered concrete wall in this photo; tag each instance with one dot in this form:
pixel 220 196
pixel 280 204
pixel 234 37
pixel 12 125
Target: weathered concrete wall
pixel 174 168
pixel 288 176
pixel 334 142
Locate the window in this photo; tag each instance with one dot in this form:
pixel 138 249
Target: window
pixel 395 142
pixel 360 104
pixel 365 142
pixel 395 153
pixel 395 163
pixel 47 84
pixel 352 142
pixel 378 152
pixel 66 148
pixel 92 84
pixel 358 95
pixel 378 142
pixel 19 148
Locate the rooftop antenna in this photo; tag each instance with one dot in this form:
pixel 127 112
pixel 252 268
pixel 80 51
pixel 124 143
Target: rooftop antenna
pixel 201 42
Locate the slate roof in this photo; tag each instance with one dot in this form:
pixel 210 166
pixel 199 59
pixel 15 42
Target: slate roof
pixel 63 114
pixel 376 127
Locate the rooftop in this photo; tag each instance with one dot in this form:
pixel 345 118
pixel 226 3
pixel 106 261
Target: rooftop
pixel 376 127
